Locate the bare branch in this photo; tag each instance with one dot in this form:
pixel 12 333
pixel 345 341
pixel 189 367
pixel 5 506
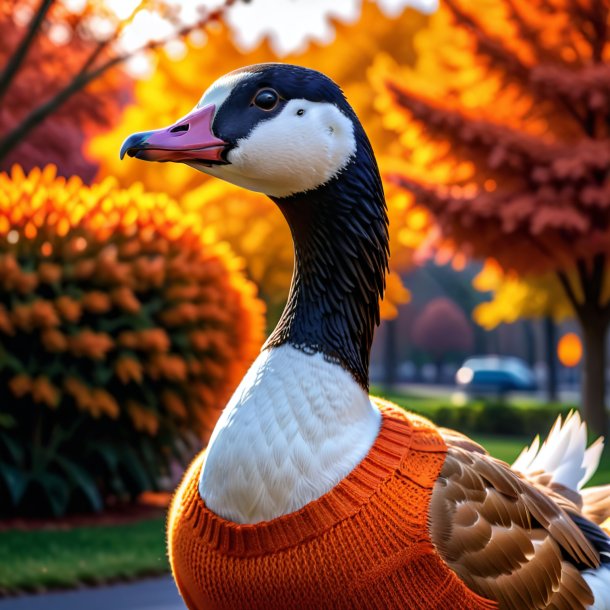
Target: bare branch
pixel 87 75
pixel 21 51
pixel 569 291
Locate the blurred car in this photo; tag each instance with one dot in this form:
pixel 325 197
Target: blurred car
pixel 499 374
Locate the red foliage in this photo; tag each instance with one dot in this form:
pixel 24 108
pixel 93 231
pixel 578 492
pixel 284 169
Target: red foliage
pixel 442 327
pixel 539 198
pixel 48 66
pixel 533 190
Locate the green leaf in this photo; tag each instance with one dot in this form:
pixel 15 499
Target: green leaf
pixel 102 375
pixel 106 452
pixel 136 471
pixel 14 449
pixel 15 481
pixel 7 421
pixel 8 361
pixel 56 489
pixel 83 481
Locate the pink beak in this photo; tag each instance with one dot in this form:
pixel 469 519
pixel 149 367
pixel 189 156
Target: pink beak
pixel 189 139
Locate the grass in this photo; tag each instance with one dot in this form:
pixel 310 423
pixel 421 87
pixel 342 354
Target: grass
pixel 62 558
pixel 42 559
pixel 422 404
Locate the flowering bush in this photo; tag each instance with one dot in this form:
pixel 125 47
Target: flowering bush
pixel 122 334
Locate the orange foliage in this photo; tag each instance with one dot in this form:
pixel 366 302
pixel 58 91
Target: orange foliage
pixel 503 123
pixel 125 266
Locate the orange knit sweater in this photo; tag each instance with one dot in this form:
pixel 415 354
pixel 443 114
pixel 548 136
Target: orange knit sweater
pixel 364 544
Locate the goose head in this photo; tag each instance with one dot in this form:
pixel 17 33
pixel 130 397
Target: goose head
pixel 289 132
pixel 273 128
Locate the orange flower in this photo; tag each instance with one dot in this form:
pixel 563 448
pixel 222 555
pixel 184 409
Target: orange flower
pixel 69 309
pixel 20 385
pixel 153 340
pixel 84 269
pixel 43 314
pixel 130 248
pixel 110 271
pixel 26 283
pixel 6 326
pixel 184 313
pixel 124 298
pixel 82 396
pixel 54 340
pixel 49 273
pixel 200 340
pixel 183 292
pixel 90 344
pixel 45 392
pixel 174 404
pixel 128 369
pixel 103 402
pixel 143 419
pixel 21 317
pixel 128 339
pixel 9 267
pixel 168 366
pixel 96 301
pixel 213 369
pixel 139 294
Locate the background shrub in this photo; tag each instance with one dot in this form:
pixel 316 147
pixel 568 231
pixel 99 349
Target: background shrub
pixel 122 334
pixel 484 415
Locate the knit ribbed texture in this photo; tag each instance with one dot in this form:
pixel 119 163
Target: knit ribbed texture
pixel 364 544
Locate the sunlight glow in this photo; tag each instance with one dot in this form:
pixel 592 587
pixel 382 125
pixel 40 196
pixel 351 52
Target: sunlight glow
pixel 464 375
pixel 289 24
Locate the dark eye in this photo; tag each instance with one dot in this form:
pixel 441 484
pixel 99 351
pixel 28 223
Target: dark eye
pixel 266 99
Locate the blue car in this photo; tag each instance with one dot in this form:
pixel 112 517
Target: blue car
pixel 498 374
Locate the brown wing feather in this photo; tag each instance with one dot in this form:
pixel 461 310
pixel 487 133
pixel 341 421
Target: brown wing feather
pixel 504 537
pixel 596 503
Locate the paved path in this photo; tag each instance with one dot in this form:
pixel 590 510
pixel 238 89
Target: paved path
pixel 153 594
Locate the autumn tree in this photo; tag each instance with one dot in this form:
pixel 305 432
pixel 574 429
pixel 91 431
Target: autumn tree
pixel 505 122
pixel 442 328
pixel 248 221
pixel 514 298
pixel 61 78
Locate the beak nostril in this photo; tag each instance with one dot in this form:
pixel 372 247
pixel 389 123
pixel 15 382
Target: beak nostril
pixel 179 128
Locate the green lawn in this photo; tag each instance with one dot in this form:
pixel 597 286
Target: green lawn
pixel 425 403
pixel 57 558
pixel 52 558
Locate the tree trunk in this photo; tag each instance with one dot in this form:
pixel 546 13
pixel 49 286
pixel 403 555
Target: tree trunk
pixel 390 354
pixel 530 342
pixel 550 349
pixel 594 330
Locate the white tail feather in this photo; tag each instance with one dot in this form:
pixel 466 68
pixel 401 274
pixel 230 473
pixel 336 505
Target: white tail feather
pixel 599 583
pixel 563 455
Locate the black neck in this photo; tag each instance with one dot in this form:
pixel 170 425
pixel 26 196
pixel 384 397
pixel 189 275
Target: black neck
pixel 340 233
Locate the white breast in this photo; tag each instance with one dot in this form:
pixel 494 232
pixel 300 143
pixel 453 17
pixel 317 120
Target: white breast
pixel 295 427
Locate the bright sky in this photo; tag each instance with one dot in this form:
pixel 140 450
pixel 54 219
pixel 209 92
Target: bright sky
pixel 289 23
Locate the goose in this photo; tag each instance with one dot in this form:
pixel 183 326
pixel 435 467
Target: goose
pixel 311 493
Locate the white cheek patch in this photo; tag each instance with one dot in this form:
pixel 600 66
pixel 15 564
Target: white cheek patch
pixel 300 149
